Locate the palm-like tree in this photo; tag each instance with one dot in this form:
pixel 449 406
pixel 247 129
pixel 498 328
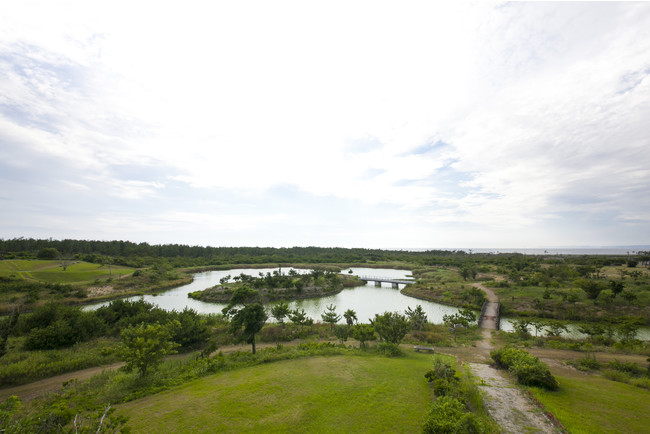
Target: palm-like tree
pixel 350 316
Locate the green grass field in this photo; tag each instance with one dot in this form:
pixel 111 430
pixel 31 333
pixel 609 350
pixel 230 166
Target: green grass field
pixel 52 271
pixel 320 394
pixel 590 404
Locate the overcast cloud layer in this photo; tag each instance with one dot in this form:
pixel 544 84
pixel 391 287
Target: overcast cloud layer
pixel 366 124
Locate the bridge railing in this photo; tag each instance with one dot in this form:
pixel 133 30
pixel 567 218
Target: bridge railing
pixel 386 279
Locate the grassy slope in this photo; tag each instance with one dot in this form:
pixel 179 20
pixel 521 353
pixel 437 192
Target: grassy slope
pixel 589 404
pixel 321 394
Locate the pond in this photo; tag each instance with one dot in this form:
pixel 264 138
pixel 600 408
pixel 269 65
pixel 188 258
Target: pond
pixel 366 300
pixel 572 332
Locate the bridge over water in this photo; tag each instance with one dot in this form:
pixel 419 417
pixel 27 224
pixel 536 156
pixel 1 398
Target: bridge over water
pixel 378 280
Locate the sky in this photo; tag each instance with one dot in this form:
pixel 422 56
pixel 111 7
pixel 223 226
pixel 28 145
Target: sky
pixel 330 123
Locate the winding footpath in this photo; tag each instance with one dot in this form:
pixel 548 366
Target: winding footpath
pixel 507 404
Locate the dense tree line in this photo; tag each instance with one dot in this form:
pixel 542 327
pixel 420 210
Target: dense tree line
pixel 181 255
pixel 92 251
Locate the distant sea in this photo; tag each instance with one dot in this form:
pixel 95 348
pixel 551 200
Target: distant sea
pixel 606 250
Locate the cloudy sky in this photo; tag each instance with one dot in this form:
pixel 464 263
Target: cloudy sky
pixel 353 124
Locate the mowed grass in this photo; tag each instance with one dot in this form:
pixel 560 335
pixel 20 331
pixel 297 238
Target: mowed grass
pixel 52 271
pixel 590 404
pixel 320 394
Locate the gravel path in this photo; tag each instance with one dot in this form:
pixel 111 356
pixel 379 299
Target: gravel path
pixel 512 410
pixel 507 404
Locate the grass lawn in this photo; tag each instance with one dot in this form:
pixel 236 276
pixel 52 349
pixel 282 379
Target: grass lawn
pixel 320 394
pixel 51 271
pixel 589 404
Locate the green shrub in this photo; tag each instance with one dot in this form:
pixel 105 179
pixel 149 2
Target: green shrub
pixel 528 369
pixel 587 363
pixel 389 349
pixel 442 369
pixel 449 415
pixel 56 326
pixel 643 382
pixel 630 368
pixel 620 376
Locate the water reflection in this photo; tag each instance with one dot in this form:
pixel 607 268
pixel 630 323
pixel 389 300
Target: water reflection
pixel 366 300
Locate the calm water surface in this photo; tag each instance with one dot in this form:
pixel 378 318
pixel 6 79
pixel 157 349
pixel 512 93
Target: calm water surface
pixel 366 300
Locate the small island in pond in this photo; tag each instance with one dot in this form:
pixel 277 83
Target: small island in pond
pixel 278 286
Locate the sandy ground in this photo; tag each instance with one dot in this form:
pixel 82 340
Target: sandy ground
pixel 508 405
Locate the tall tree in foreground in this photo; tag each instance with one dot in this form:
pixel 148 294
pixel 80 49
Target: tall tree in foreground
pixel 247 315
pixel 391 326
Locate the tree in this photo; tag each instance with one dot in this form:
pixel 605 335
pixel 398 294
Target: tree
pixel 193 328
pixel 592 330
pixel 247 315
pixel 7 326
pixel 627 328
pixel 144 346
pixel 350 317
pixel 456 320
pixel 591 287
pixel 468 315
pixel 616 287
pixel 468 271
pixel 391 326
pixel 521 327
pixel 47 253
pixel 280 311
pixel 342 333
pixel 417 317
pixel 538 325
pixel 555 328
pixel 299 317
pixel 363 333
pixel 628 296
pixel 330 316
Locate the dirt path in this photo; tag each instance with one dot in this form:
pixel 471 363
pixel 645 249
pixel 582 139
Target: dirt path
pixel 491 296
pixel 30 391
pixel 507 404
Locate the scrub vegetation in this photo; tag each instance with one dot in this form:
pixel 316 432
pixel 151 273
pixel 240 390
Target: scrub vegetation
pixel 278 286
pixel 45 332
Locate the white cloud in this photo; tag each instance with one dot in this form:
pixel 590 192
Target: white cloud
pixel 541 104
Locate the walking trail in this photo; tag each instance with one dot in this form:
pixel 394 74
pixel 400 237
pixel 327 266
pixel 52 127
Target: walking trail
pixel 509 407
pixel 507 404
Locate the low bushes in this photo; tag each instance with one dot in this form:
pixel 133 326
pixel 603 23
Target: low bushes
pixel 628 372
pixel 20 367
pixel 449 415
pixel 458 406
pixel 528 369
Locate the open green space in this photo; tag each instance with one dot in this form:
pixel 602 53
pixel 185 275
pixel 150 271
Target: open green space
pixel 320 394
pixel 589 404
pixel 53 271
